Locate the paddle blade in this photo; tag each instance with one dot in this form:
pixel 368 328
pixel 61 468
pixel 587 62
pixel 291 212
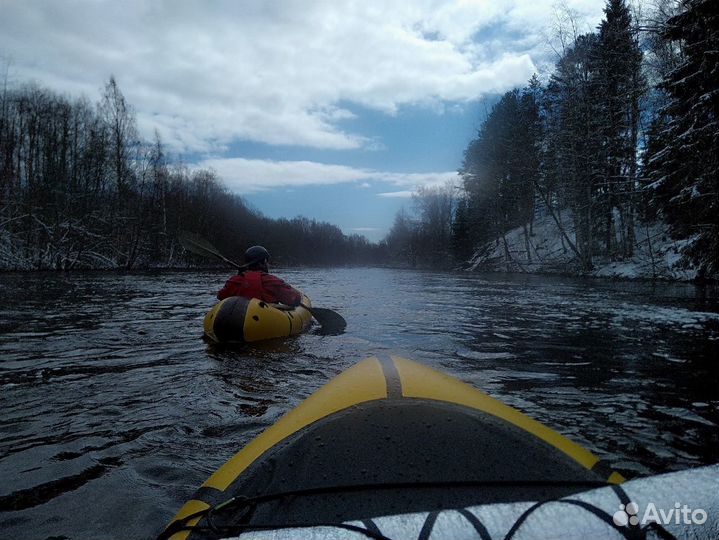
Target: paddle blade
pixel 331 321
pixel 197 245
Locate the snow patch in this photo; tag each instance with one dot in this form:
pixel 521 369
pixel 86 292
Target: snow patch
pixel 546 250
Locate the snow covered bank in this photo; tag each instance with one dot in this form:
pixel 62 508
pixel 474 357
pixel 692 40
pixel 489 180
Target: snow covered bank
pixel 545 250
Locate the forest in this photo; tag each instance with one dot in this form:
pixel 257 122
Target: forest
pixel 624 133
pixel 79 189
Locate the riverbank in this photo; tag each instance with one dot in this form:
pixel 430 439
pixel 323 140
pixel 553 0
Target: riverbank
pixel 546 251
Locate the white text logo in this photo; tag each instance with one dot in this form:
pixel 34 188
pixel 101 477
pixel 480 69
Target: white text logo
pixel 679 515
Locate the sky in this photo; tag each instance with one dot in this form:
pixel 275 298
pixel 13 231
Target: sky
pixel 335 110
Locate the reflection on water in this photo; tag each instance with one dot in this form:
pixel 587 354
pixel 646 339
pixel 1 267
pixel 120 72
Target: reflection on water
pixel 114 409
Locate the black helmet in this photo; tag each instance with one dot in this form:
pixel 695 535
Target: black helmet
pixel 256 254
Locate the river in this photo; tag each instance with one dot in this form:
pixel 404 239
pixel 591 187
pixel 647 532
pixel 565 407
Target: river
pixel 114 410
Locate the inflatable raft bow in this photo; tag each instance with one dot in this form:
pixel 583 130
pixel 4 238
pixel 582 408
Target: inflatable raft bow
pixel 393 449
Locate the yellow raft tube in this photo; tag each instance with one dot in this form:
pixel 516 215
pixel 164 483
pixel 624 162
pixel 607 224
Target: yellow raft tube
pixel 388 436
pixel 241 320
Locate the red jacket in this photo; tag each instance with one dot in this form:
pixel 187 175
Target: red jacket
pixel 266 287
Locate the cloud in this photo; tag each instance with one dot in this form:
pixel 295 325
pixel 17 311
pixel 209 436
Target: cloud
pixel 243 175
pixel 397 194
pixel 208 73
pixel 415 180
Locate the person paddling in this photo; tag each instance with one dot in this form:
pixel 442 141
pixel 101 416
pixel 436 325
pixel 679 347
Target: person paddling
pixel 257 282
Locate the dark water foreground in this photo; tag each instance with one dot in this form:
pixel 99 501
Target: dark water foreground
pixel 113 410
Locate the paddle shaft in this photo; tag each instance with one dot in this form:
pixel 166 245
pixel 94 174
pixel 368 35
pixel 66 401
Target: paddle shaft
pixel 205 248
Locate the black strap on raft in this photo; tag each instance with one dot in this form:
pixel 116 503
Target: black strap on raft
pixel 370 532
pixel 182 525
pixel 629 533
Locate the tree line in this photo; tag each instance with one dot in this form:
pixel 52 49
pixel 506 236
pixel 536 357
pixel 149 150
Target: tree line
pixel 80 189
pixel 625 132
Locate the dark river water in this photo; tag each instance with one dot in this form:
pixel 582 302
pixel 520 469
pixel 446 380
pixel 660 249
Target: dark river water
pixel 114 410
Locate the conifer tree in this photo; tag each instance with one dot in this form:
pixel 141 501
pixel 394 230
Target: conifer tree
pixel 683 166
pixel 573 140
pixel 619 86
